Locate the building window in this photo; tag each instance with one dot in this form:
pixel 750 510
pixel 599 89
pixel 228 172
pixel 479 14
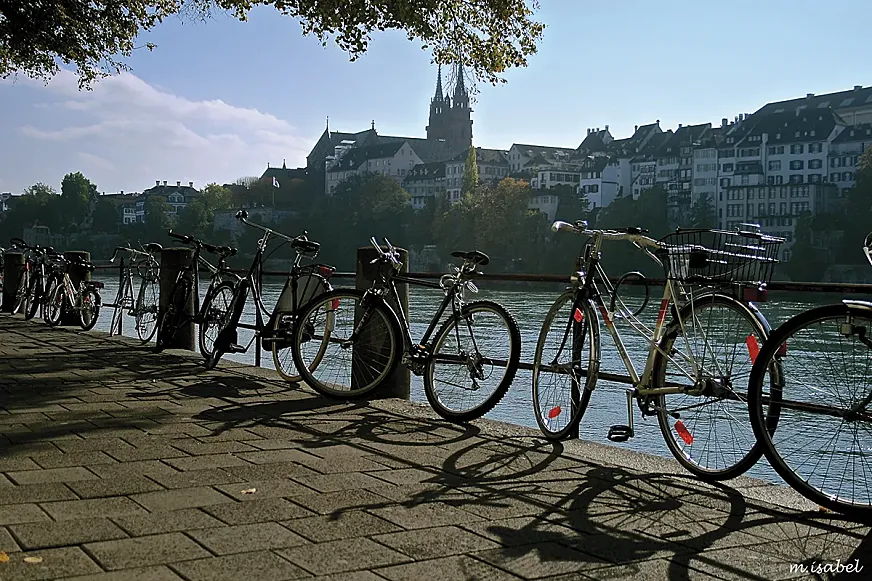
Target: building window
pixel 775 165
pixel 797 164
pixel 796 178
pixel 727 167
pixel 814 163
pixel 814 178
pixel 815 147
pixel 776 150
pixel 796 148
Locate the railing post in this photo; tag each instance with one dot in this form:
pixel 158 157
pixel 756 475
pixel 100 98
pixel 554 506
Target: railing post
pixel 78 274
pixel 13 262
pixel 172 261
pixel 399 383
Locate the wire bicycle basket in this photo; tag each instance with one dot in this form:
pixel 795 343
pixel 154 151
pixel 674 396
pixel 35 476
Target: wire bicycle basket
pixel 719 257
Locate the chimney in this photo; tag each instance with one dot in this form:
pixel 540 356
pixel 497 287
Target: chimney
pixel 607 127
pixel 178 184
pixel 637 128
pixel 122 192
pixel 724 122
pixel 191 184
pixel 157 182
pixel 858 87
pixel 165 182
pixel 809 95
pixel 679 125
pixel 588 130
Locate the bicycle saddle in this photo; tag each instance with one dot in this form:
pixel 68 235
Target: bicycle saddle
pixel 224 251
pixel 474 256
pixel 305 246
pixel 153 247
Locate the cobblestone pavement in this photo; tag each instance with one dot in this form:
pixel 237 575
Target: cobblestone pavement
pixel 118 463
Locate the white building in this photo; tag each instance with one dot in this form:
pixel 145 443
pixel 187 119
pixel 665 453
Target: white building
pixel 520 156
pixel 601 180
pixel 844 153
pixel 394 159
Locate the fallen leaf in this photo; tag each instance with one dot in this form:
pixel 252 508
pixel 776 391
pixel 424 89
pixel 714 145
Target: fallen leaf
pixel 33 560
pixel 4 558
pixel 248 491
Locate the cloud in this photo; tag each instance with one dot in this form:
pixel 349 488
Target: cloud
pixel 126 134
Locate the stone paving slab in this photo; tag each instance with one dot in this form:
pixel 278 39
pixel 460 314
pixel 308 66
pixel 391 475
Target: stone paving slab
pixel 118 463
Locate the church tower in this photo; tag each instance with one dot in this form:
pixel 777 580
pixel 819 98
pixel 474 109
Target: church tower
pixel 450 117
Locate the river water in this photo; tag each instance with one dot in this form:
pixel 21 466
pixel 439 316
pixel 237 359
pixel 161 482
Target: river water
pixel 608 403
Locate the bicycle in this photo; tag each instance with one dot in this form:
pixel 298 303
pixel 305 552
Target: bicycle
pixel 819 411
pixel 38 283
pixel 375 339
pixel 174 316
pixel 302 284
pixel 21 303
pixel 144 307
pixel 65 296
pixel 683 374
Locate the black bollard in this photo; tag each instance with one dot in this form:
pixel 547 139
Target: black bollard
pixel 398 384
pixel 172 261
pixel 13 262
pixel 77 275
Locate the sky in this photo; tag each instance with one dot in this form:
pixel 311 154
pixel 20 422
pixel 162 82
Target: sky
pixel 221 99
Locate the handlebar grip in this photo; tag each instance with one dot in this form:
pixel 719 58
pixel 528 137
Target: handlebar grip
pixel 183 237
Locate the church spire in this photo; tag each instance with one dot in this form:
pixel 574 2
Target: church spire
pixel 439 96
pixel 459 87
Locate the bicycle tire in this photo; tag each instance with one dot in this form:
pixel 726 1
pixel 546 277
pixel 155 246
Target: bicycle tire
pixel 766 426
pixel 337 299
pixel 227 334
pixel 55 307
pixel 167 325
pixel 21 293
pixel 142 309
pixel 737 461
pixel 218 290
pixel 118 306
pixel 34 296
pixel 550 417
pixel 514 358
pixel 91 302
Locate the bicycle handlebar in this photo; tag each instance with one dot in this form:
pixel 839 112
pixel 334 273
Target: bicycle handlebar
pixel 634 235
pixel 132 251
pixel 242 216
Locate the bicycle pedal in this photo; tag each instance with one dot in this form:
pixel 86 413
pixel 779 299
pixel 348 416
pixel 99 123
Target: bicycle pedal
pixel 235 348
pixel 620 433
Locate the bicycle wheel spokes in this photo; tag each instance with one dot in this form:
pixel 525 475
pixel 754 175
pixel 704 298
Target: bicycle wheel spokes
pixel 820 446
pixel 146 310
pixel 565 366
pixel 475 357
pixel 215 313
pixel 349 365
pixel 706 426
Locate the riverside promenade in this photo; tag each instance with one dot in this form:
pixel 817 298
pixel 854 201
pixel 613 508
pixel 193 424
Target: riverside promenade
pixel 118 463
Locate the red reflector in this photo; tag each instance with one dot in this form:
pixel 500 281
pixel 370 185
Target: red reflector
pixel 782 350
pixel 554 412
pixel 334 304
pixel 578 316
pixel 683 432
pixel 753 347
pixel 325 271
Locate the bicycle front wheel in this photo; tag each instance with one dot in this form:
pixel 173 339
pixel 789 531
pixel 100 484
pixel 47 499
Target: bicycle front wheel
pixel 565 365
pixel 168 321
pixel 814 420
pixel 471 369
pixel 707 356
pixel 34 296
pixel 21 293
pixel 362 339
pixel 145 312
pixel 90 309
pixel 57 297
pixel 217 306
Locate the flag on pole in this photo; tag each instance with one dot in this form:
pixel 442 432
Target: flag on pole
pixel 275 182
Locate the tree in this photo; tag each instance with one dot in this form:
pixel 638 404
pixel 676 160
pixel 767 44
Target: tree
pixel 703 213
pixel 489 36
pixel 157 217
pixel 470 173
pixel 76 192
pixel 106 216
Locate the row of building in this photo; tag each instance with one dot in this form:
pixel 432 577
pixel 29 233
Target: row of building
pixel 768 167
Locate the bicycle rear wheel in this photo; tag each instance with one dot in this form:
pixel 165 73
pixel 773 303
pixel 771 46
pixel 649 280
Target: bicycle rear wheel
pixel 34 296
pixel 56 300
pixel 471 370
pixel 90 309
pixel 21 293
pixel 814 420
pixel 706 425
pixel 362 344
pixel 146 308
pixel 565 365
